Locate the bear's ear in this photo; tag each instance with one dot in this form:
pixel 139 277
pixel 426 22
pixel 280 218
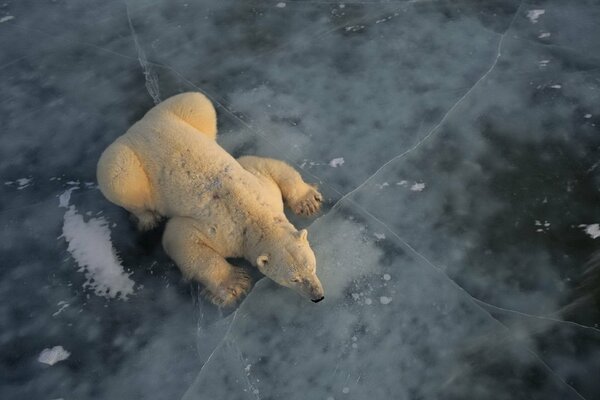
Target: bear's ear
pixel 303 234
pixel 262 260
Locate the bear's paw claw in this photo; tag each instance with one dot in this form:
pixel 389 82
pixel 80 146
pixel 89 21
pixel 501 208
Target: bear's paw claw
pixel 308 204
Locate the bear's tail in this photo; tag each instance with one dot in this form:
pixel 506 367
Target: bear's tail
pixel 195 109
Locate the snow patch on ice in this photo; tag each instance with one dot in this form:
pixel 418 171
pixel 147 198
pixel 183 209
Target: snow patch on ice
pixel 418 187
pixel 534 15
pixel 544 35
pixel 7 18
pixel 63 305
pixel 556 86
pixel 21 183
pixel 336 162
pixel 90 245
pixel 280 5
pixel 354 28
pixel 53 355
pixel 587 116
pixel 379 236
pixel 385 300
pixel 593 230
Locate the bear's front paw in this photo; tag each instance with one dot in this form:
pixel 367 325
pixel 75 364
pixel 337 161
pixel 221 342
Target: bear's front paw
pixel 308 204
pixel 232 290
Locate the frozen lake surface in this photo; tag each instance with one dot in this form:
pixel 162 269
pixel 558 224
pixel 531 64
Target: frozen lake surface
pixel 457 144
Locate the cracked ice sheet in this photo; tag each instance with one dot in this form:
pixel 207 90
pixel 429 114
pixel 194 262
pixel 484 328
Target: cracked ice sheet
pixel 409 334
pixel 72 83
pixel 516 151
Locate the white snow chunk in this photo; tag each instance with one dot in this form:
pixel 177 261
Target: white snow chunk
pixel 556 86
pixel 354 28
pixel 592 230
pixel 7 18
pixel 418 187
pixel 544 63
pixel 346 390
pixel 90 245
pixel 368 301
pixel 533 15
pixel 23 183
pixel 280 5
pixel 53 355
pixel 64 198
pixel 379 236
pixel 336 162
pixel 402 183
pixel 587 116
pixel 544 35
pixel 63 305
pixel 386 277
pixel 385 300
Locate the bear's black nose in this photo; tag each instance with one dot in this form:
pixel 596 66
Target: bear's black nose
pixel 317 300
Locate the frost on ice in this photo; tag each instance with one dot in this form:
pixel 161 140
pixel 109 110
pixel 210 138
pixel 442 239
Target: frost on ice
pixel 53 355
pixel 90 245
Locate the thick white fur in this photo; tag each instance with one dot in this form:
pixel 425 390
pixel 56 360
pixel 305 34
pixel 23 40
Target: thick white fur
pixel 169 164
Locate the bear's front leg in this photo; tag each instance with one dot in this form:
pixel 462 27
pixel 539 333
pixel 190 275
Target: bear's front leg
pixel 301 197
pixel 224 283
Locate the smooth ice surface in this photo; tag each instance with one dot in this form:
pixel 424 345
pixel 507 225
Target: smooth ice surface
pixel 457 144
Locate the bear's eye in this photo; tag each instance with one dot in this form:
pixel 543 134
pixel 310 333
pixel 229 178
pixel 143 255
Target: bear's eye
pixel 295 280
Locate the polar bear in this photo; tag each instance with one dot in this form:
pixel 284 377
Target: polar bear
pixel 169 164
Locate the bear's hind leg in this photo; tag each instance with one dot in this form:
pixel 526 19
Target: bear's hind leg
pixel 122 180
pixel 224 283
pixel 195 109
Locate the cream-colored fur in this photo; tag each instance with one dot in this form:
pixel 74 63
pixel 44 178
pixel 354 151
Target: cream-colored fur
pixel 169 164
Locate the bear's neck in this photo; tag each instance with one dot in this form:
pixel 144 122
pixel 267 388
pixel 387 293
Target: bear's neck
pixel 260 238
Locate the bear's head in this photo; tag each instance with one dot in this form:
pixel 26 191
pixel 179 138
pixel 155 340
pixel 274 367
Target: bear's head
pixel 291 262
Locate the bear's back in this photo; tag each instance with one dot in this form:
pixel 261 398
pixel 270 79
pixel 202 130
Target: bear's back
pixel 190 173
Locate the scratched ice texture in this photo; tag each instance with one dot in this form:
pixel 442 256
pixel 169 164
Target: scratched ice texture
pixel 457 144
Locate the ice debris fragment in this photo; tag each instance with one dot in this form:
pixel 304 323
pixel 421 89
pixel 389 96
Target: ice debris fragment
pixel 533 15
pixel 336 162
pixel 593 230
pixel 53 355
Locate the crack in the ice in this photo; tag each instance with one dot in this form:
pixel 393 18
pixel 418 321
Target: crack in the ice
pixel 149 75
pixel 217 347
pixel 539 317
pixel 442 120
pixel 476 302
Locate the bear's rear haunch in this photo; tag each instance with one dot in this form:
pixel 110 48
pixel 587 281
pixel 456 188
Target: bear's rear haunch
pixel 169 165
